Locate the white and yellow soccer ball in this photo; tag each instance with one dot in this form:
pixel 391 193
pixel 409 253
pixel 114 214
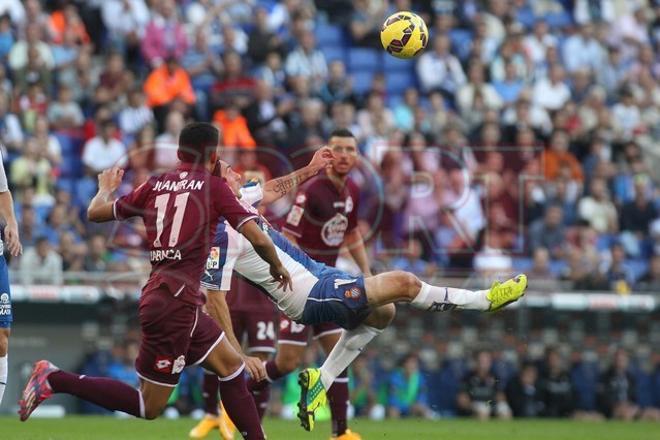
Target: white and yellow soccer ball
pixel 404 34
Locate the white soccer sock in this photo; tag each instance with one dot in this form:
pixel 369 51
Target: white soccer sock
pixel 3 375
pixel 348 347
pixel 441 299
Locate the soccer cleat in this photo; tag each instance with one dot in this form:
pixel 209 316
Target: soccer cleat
pixel 312 396
pixel 207 424
pixel 348 435
pixel 37 389
pixel 502 294
pixel 227 427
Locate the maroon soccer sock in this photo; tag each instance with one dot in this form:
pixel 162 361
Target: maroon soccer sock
pixel 273 374
pixel 261 398
pixel 240 407
pixel 338 398
pixel 108 393
pixel 210 388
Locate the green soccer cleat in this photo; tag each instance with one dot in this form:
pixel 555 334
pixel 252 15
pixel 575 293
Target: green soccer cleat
pixel 312 396
pixel 503 294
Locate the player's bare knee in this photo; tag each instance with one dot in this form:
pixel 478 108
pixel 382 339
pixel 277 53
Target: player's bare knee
pixel 409 284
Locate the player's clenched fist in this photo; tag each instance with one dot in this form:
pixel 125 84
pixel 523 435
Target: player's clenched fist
pixel 110 179
pixel 322 158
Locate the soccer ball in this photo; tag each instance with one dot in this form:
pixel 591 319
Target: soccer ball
pixel 404 34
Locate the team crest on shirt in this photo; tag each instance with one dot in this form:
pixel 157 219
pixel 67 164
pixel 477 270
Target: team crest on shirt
pixel 163 364
pixel 295 215
pixel 213 260
pixel 349 204
pixel 334 229
pixel 179 365
pixel 5 306
pixel 353 293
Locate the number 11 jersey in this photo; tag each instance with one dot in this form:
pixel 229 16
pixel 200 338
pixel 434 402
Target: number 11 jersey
pixel 180 210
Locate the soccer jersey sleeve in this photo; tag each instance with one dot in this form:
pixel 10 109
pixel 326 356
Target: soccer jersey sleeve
pixel 228 206
pixel 133 203
pixel 295 221
pixel 252 193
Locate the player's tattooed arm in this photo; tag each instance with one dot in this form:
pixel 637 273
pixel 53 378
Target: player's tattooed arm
pixel 101 207
pixel 278 188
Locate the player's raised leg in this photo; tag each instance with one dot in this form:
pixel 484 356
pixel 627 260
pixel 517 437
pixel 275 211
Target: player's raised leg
pixel 382 291
pixel 385 289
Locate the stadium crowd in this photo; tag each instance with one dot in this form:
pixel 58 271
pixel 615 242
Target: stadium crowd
pixel 444 380
pixel 525 137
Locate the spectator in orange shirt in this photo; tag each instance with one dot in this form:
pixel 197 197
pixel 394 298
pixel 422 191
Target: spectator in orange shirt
pixel 166 84
pixel 68 18
pixel 234 129
pixel 557 156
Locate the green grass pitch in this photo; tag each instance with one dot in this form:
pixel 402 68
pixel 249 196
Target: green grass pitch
pixel 108 428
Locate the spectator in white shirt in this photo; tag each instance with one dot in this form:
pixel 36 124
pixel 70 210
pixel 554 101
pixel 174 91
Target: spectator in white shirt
pixel 626 116
pixel 15 10
pixel 306 60
pixel 439 69
pixel 18 56
pixel 552 93
pixel 598 209
pixel 539 41
pixel 477 93
pixel 582 50
pixel 41 264
pixel 593 11
pixel 65 113
pixel 136 115
pixel 165 156
pixel 104 150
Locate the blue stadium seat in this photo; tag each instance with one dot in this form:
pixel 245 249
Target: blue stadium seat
pixel 333 53
pixel 637 268
pixel 398 82
pixel 67 143
pixel 558 19
pixel 460 39
pixel 65 183
pixel 392 64
pixel 362 81
pixel 361 59
pixel 85 189
pixel 557 267
pixel 329 35
pixel 71 166
pixel 522 264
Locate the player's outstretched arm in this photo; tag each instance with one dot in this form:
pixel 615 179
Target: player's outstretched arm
pixel 264 247
pixel 101 207
pixel 277 188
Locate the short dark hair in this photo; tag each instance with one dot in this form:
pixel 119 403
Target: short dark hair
pixel 196 140
pixel 342 133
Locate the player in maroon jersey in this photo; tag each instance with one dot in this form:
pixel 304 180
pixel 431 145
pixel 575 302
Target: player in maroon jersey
pixel 180 210
pixel 323 218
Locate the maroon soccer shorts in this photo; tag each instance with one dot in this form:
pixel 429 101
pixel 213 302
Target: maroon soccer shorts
pixel 259 326
pixel 174 335
pixel 293 333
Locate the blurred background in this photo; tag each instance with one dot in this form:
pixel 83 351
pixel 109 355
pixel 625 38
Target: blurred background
pixel 525 138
